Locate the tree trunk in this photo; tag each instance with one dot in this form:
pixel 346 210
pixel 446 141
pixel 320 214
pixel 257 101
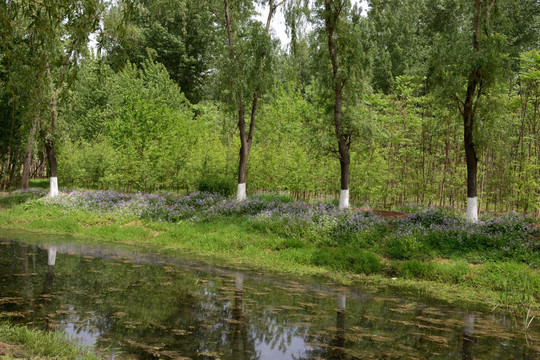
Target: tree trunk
pixel 345 162
pixel 331 19
pixel 474 91
pixel 51 157
pixel 48 141
pixel 470 159
pixel 246 137
pixel 243 156
pixel 28 156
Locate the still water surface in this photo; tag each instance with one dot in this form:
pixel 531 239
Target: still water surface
pixel 129 304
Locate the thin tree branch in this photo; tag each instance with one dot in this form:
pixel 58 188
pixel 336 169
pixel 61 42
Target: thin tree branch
pixel 460 104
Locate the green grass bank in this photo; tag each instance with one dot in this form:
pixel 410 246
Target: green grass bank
pixel 20 342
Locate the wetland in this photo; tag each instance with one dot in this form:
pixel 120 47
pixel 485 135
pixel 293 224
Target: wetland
pixel 131 303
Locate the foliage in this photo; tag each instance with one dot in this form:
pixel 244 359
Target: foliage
pixel 438 232
pixel 148 138
pixel 216 184
pixel 153 112
pixel 173 33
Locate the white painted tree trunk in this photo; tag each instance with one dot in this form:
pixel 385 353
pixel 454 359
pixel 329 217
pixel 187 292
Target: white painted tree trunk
pixel 238 281
pixel 51 256
pixel 468 324
pixel 472 209
pixel 342 300
pixel 241 194
pixel 344 199
pixel 54 186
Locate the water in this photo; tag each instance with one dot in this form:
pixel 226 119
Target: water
pixel 129 304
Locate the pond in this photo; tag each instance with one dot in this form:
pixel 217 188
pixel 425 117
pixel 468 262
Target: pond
pixel 132 304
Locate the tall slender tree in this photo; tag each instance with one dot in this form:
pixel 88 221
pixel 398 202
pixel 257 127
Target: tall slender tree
pixel 475 47
pixel 245 72
pixel 58 34
pixel 342 31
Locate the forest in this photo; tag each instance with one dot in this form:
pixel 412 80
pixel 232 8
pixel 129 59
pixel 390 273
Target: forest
pixel 386 102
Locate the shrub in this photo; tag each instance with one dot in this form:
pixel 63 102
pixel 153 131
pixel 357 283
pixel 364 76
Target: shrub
pixel 348 259
pixel 432 216
pixel 274 198
pixel 406 247
pixel 445 234
pixel 216 184
pixel 358 228
pixel 21 196
pixel 416 269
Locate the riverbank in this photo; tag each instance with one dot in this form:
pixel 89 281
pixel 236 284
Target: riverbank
pixel 20 342
pixel 493 264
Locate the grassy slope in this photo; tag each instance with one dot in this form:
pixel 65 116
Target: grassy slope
pixel 235 241
pixel 18 342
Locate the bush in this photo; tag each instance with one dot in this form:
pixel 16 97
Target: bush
pixel 358 228
pixel 445 234
pixel 21 196
pixel 348 259
pixel 274 198
pixel 430 217
pixel 406 247
pixel 216 185
pixel 416 269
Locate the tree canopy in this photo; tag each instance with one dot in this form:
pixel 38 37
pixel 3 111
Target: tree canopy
pixel 428 101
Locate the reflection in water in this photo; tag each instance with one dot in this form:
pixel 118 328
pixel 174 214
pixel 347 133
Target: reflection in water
pixel 48 284
pixel 338 342
pixel 150 307
pixel 49 278
pixel 26 274
pixel 239 328
pixel 468 333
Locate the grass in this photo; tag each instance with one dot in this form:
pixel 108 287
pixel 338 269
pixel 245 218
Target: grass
pixel 375 256
pixel 19 342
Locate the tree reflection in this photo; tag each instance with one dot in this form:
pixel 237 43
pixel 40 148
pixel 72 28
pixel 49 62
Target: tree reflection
pixel 28 291
pixel 336 351
pixel 468 336
pixel 151 310
pixel 333 348
pixel 239 328
pixel 49 277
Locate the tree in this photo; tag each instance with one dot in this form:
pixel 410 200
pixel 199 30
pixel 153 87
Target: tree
pixel 176 33
pixel 343 31
pixel 399 38
pixel 15 85
pixel 57 35
pixel 247 49
pixel 474 44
